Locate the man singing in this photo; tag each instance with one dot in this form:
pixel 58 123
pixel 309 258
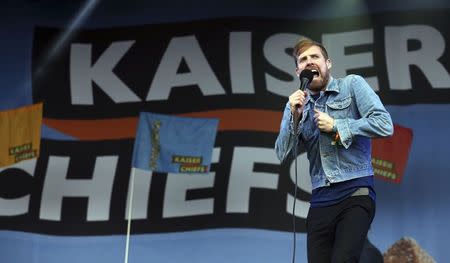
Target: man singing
pixel 335 119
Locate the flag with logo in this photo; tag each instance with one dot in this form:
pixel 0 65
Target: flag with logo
pixel 172 144
pixel 390 155
pixel 20 133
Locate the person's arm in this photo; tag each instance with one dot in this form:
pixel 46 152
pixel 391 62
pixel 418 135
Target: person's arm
pixel 290 123
pixel 286 137
pixel 375 121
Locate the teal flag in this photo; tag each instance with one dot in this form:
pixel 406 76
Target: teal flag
pixel 172 144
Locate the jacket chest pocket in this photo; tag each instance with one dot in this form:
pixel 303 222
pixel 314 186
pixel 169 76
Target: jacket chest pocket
pixel 339 109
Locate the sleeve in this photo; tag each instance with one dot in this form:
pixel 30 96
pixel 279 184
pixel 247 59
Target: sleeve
pixel 375 120
pixel 286 137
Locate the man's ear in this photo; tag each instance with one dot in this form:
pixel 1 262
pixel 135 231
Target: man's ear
pixel 297 71
pixel 329 64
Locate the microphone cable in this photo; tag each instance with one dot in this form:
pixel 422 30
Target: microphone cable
pixel 295 191
pixel 306 76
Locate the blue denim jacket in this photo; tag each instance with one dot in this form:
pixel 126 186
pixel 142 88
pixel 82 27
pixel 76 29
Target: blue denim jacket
pixel 358 114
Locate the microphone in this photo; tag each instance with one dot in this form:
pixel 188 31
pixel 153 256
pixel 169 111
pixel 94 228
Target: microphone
pixel 306 77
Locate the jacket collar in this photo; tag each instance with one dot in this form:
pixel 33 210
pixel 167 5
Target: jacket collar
pixel 332 86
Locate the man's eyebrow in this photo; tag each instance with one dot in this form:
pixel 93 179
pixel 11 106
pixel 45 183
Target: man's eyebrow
pixel 312 54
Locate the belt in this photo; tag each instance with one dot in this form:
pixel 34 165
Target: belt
pixel 361 191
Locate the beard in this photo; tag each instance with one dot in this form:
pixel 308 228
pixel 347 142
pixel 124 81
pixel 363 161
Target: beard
pixel 320 83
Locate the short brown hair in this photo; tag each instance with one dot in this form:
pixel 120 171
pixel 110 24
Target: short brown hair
pixel 303 44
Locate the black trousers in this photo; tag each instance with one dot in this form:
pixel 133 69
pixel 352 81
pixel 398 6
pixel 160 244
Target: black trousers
pixel 336 234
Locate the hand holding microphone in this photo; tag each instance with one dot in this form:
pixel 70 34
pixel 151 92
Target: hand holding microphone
pixel 297 99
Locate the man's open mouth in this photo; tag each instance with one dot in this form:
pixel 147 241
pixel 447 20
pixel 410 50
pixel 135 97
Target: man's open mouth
pixel 315 72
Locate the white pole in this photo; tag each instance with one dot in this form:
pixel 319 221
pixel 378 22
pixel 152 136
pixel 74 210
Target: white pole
pixel 130 208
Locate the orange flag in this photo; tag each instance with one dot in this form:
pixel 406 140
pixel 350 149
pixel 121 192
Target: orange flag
pixel 20 134
pixel 390 155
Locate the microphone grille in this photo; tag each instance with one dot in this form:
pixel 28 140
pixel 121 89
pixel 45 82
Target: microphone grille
pixel 308 74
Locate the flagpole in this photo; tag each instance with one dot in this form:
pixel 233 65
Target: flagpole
pixel 130 208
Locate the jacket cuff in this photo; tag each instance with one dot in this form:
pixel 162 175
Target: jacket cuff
pixel 291 124
pixel 343 129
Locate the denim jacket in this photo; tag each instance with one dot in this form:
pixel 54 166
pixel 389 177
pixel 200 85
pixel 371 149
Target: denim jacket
pixel 358 115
